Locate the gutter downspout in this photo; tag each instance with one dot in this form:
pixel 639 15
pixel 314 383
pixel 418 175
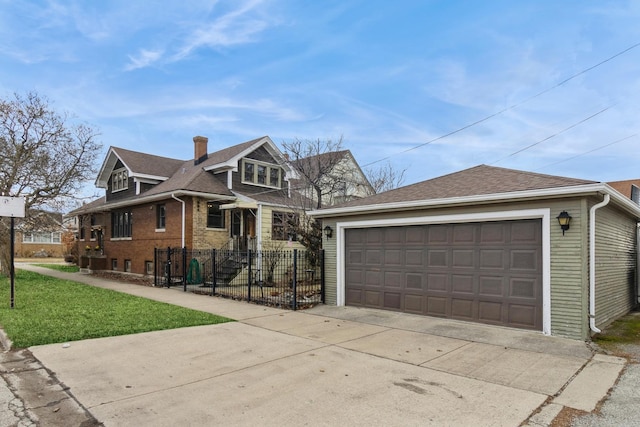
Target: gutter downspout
pixel 592 262
pixel 173 196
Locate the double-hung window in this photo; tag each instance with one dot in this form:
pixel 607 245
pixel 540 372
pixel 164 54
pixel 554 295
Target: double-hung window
pixel 283 225
pixel 215 215
pixel 121 224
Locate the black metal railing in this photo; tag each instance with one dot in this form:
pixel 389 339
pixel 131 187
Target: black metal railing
pixel 290 279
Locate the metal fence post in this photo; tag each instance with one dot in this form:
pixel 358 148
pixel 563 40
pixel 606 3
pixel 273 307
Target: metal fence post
pixel 184 268
pixel 167 267
pixel 155 266
pixel 249 276
pixel 213 272
pixel 322 278
pixel 295 279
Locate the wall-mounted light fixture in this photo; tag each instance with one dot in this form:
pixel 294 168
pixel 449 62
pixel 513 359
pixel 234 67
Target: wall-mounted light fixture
pixel 328 231
pixel 564 219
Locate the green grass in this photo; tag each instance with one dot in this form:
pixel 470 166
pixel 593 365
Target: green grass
pixel 61 267
pixel 625 330
pixel 49 310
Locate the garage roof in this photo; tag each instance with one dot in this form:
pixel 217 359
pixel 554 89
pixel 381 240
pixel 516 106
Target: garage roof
pixel 474 185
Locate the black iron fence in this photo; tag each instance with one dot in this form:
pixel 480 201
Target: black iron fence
pixel 290 279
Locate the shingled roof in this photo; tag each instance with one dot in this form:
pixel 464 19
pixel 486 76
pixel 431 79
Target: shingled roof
pixel 147 164
pixel 478 180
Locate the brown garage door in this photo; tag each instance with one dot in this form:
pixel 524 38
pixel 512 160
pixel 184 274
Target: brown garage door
pixel 489 272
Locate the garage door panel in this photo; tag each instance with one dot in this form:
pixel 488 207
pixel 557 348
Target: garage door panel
pixel 393 279
pixel 414 303
pixel 355 257
pixel 523 288
pixel 524 260
pixel 491 286
pixel 485 272
pixel 373 257
pixel 462 258
pixel 462 284
pixel 437 282
pixel 436 234
pixel 525 232
pixel 492 258
pixel 523 316
pixel 413 258
pixel 462 309
pixel 372 278
pixel 437 306
pixel 373 299
pixel 393 300
pixel 354 297
pixel 437 257
pixel 414 236
pixel 414 281
pixel 492 233
pixel 490 312
pixel 375 235
pixel 463 234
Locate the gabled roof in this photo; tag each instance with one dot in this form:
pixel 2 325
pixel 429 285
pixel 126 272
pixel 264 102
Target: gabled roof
pixel 227 159
pixel 179 177
pixel 474 184
pixel 140 165
pixel 40 220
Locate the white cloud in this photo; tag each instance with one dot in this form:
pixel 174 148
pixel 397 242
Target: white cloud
pixel 144 59
pixel 239 26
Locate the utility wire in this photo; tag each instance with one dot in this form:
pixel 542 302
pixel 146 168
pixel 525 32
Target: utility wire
pixel 622 52
pixel 586 152
pixel 551 136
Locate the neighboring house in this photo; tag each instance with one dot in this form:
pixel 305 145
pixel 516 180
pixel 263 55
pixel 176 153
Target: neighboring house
pixel 339 177
pixel 237 198
pixel 42 234
pixel 629 188
pixel 485 245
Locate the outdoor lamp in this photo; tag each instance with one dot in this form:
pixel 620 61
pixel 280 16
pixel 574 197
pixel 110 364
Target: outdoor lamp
pixel 328 231
pixel 564 219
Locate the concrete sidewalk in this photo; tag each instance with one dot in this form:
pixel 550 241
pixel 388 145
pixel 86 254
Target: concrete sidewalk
pixel 324 366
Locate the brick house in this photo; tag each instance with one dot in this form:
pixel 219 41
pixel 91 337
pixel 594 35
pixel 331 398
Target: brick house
pixel 43 234
pixel 237 197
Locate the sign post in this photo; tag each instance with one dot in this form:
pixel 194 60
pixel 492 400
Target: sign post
pixel 12 207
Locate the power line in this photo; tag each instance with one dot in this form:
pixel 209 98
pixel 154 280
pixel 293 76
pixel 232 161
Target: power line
pixel 552 136
pixel 568 79
pixel 586 152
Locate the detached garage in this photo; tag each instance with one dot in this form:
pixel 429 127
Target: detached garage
pixel 485 245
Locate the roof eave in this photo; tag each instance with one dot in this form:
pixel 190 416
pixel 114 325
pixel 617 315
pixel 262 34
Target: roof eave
pixel 156 197
pixel 579 190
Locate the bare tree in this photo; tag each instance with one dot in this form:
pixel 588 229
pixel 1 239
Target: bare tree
pixel 315 161
pixel 44 157
pixel 328 174
pixel 385 178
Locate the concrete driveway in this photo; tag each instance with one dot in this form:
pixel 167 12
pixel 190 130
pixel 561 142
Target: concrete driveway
pixel 326 366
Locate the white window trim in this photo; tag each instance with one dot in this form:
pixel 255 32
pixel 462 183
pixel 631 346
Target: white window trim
pixel 269 167
pixel 544 214
pixel 125 182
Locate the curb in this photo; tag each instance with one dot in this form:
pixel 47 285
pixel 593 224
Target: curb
pixel 5 342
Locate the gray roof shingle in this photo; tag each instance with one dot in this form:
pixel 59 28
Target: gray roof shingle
pixel 474 181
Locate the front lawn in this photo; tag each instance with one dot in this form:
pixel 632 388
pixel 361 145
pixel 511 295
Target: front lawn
pixel 61 267
pixel 49 310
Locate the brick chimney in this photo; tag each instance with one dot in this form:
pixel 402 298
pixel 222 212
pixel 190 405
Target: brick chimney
pixel 200 149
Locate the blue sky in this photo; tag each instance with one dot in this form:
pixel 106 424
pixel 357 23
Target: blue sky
pixel 391 78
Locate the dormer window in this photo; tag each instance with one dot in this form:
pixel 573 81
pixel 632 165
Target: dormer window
pixel 119 180
pixel 264 174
